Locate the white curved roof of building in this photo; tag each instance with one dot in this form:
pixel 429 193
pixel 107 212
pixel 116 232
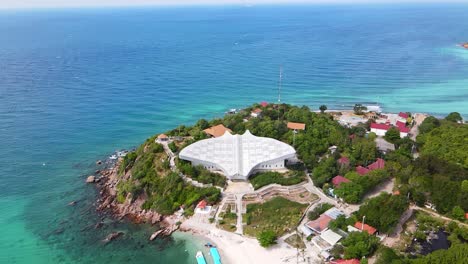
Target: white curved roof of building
pixel 237 154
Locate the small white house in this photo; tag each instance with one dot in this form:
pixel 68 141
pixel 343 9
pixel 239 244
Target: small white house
pixel 257 112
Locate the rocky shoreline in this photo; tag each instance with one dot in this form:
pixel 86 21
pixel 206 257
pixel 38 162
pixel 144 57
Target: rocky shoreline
pixel 129 210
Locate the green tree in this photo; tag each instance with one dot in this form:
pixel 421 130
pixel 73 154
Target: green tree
pixel 392 135
pixel 359 244
pixel 458 213
pixel 428 124
pixel 383 211
pixel 454 117
pixel 323 108
pixel 267 238
pixel 359 109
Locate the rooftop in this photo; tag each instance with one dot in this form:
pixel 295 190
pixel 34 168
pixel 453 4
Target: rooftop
pixel 337 180
pixel 217 131
pixel 378 164
pixel 330 237
pixel 380 126
pixel 343 160
pixel 369 229
pixel 362 170
pixel 319 224
pixel 333 213
pixel 237 155
pixel 162 136
pixel 297 126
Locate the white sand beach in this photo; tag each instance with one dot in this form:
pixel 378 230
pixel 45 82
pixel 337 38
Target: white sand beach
pixel 238 249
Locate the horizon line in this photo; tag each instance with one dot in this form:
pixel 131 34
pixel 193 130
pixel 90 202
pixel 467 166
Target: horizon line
pixel 231 4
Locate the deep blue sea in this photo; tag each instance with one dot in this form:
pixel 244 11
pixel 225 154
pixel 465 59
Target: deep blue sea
pixel 78 84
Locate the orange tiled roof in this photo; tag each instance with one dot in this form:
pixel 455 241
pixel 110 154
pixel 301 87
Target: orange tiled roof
pixel 369 229
pixel 299 126
pixel 319 224
pixel 217 131
pixel 257 110
pixel 162 136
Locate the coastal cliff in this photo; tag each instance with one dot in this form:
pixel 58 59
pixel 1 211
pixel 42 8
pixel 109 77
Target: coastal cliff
pixel 143 187
pixel 131 209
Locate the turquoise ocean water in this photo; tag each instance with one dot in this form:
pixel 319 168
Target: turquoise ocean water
pixel 76 85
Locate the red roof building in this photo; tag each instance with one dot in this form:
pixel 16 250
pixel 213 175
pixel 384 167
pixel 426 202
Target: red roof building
pixel 337 180
pixel 365 227
pixel 296 126
pixel 380 126
pixel 378 164
pixel 202 204
pixel 403 115
pixel 343 161
pixel 362 170
pixel 345 261
pixel 264 104
pixel 319 224
pixel 466 215
pixel 217 131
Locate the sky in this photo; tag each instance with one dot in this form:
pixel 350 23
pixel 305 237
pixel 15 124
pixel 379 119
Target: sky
pixel 7 4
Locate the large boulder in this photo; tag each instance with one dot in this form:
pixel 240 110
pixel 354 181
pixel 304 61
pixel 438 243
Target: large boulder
pixel 91 179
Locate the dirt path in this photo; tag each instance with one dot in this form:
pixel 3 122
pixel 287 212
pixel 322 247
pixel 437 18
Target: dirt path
pixel 437 215
pixel 418 119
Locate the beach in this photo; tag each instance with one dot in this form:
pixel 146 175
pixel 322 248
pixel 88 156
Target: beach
pixel 238 249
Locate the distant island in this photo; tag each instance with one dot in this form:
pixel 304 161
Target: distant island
pixel 315 186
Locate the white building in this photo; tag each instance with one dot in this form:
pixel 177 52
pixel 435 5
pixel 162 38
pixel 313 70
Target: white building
pixel 327 240
pixel 238 156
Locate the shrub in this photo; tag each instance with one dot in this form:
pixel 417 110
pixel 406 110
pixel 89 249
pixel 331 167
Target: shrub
pixel 267 238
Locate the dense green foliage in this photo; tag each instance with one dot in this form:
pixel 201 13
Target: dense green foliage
pixel 264 178
pixel 324 171
pixel 457 254
pixel 318 210
pixel 267 238
pixel 428 124
pixel 353 192
pixel 383 211
pixel 359 244
pixel 278 214
pixel 165 190
pixel 341 222
pixel 454 117
pixel 447 142
pixel 392 135
pixel 323 108
pixel 438 174
pixel 200 174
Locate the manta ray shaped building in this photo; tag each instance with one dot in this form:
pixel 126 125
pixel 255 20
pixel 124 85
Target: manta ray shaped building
pixel 238 156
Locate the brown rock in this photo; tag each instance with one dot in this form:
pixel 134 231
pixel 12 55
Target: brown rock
pixel 91 179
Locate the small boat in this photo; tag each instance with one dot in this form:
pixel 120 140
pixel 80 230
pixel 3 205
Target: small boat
pixel 200 258
pixel 113 157
pixel 215 255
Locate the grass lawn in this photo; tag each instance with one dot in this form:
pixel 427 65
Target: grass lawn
pixel 229 222
pixel 289 178
pixel 279 214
